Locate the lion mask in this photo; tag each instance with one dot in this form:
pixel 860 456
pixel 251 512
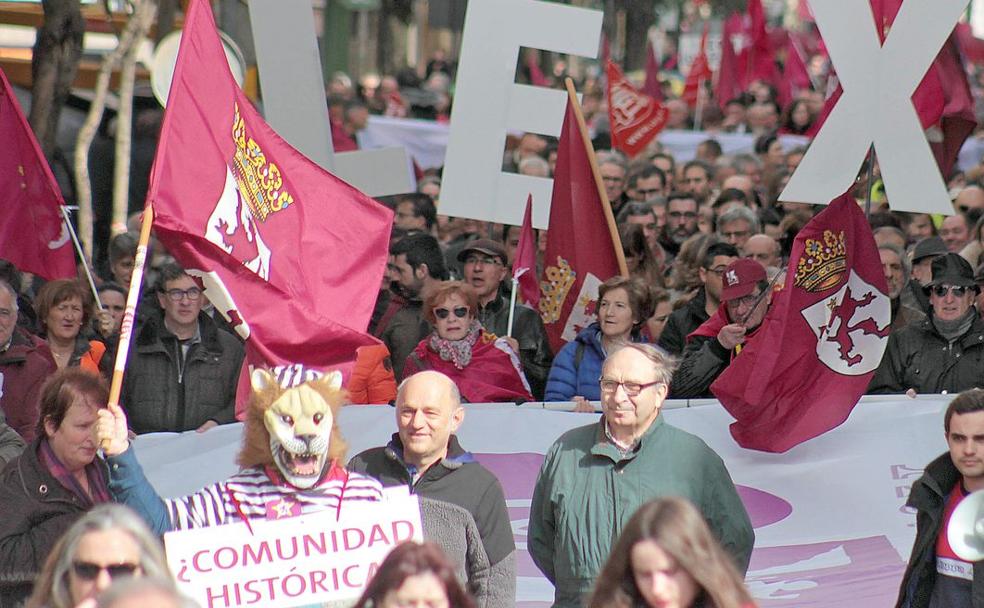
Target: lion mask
pixel 293 428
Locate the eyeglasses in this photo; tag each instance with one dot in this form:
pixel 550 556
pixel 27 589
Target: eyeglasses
pixel 176 295
pixel 744 302
pixel 940 291
pixel 482 260
pixel 718 270
pixel 737 234
pixel 88 571
pixel 443 313
pixel 632 389
pixel 678 214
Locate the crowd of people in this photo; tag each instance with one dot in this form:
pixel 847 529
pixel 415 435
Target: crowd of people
pixel 706 243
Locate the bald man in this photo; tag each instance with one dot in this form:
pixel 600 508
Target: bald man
pixel 765 250
pixel 424 455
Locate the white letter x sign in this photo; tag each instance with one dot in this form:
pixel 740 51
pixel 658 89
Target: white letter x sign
pixel 876 105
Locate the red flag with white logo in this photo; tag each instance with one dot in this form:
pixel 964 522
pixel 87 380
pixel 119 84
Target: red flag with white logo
pixel 289 253
pixel 524 261
pixel 580 247
pixel 33 235
pixel 635 119
pixel 700 70
pixel 821 341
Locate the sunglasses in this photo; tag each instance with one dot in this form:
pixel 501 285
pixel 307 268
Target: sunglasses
pixel 88 571
pixel 940 291
pixel 443 313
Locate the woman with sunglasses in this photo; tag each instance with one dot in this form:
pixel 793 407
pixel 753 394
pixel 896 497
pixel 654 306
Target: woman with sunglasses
pixel 944 351
pixel 485 367
pixel 55 480
pixel 108 544
pixel 667 557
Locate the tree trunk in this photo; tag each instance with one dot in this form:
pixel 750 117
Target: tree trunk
pixel 166 13
pixel 53 67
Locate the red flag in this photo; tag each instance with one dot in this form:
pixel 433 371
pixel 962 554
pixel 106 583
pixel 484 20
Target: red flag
pixel 580 250
pixel 729 82
pixel 524 260
pixel 971 45
pixel 33 235
pixel 290 254
pixel 651 85
pixel 636 119
pixel 821 341
pixel 536 74
pixel 957 119
pixel 700 70
pixel 759 57
pixel 796 76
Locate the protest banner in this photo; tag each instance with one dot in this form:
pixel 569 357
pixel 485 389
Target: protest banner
pixel 295 561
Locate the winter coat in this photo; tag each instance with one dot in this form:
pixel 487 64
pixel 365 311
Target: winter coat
pixel 401 329
pixel 928 497
pixel 919 357
pixel 682 322
pixel 459 479
pixel 37 510
pixel 159 397
pixel 372 378
pixel 24 367
pixel 577 367
pixel 534 347
pixel 587 490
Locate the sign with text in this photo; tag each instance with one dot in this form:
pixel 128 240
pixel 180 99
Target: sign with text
pixel 323 557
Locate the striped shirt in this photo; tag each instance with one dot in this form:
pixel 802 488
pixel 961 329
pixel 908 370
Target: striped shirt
pixel 257 492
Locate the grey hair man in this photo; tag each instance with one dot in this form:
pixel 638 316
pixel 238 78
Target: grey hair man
pixel 737 225
pixel 572 522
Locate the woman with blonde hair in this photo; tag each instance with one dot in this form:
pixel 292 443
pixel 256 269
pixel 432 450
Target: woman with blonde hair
pixel 666 557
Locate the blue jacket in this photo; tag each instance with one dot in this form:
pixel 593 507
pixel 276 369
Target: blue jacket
pixel 569 377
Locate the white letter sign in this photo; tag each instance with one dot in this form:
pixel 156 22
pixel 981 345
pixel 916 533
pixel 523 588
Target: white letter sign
pixel 488 103
pixel 876 106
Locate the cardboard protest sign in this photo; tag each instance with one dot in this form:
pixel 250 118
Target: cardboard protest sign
pixel 296 561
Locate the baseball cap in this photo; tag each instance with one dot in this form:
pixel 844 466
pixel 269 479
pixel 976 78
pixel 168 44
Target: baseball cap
pixel 486 246
pixel 740 278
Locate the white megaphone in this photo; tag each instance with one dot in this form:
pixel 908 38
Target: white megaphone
pixel 966 529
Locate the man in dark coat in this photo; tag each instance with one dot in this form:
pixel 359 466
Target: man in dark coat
pixel 936 576
pixel 25 362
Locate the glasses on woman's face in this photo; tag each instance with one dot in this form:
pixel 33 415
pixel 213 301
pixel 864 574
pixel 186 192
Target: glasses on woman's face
pixel 940 291
pixel 89 571
pixel 443 313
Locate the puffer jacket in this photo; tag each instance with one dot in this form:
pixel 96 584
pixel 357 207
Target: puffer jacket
pixel 919 357
pixel 159 397
pixel 577 367
pixel 24 366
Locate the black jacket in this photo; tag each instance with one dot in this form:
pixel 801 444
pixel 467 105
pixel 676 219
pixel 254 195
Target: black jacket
pixel 534 347
pixel 682 322
pixel 919 357
pixel 161 397
pixel 36 511
pixel 928 497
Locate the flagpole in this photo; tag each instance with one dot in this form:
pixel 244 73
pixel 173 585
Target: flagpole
pixel 699 110
pixel 596 173
pixel 132 298
pixel 871 179
pixel 512 305
pixel 78 248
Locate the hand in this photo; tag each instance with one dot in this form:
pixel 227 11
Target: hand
pixel 111 432
pixel 209 424
pixel 513 343
pixel 731 335
pixel 582 405
pixel 104 321
pixel 911 393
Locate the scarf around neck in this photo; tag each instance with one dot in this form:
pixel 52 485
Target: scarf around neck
pixel 457 352
pixel 951 330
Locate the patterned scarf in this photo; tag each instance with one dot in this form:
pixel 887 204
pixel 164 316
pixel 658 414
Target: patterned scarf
pixel 457 352
pixel 98 489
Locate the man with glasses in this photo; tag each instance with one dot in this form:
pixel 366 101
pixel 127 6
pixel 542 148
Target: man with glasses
pixel 613 168
pixel 485 268
pixel 945 351
pixel 645 184
pixel 183 370
pixel 595 477
pixel 681 221
pixel 683 321
pixel 737 225
pixel 745 298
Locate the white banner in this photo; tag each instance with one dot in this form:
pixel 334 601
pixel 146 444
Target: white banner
pixel 297 561
pixel 830 525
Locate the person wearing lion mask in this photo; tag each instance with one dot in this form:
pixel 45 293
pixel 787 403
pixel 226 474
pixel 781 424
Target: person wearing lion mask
pixel 290 462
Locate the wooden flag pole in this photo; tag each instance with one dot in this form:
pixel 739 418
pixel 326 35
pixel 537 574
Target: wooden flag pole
pixel 132 299
pixel 596 173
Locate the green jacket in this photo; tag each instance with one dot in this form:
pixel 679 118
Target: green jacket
pixel 586 492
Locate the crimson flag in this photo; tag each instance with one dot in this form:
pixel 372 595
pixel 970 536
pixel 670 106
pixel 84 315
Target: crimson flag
pixel 729 83
pixel 580 247
pixel 796 76
pixel 821 341
pixel 635 119
pixel 759 56
pixel 651 85
pixel 291 255
pixel 700 70
pixel 33 235
pixel 524 260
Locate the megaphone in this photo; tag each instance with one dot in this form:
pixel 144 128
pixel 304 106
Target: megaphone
pixel 166 56
pixel 966 529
